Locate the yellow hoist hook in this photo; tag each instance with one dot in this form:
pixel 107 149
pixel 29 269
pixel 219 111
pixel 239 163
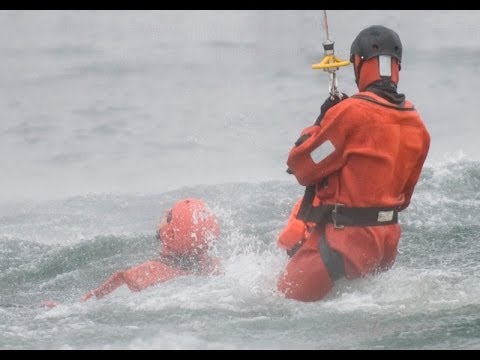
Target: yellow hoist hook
pixel 330 63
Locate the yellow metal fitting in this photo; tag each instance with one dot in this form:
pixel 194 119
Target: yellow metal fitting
pixel 329 62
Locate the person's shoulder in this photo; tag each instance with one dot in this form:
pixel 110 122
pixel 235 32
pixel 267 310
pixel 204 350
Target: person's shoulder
pixel 349 102
pixel 361 96
pixel 345 107
pixel 147 265
pixel 153 268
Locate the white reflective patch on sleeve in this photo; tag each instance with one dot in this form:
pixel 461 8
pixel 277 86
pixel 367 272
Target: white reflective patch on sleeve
pixel 385 64
pixel 322 151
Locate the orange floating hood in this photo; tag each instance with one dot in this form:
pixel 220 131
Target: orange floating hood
pixel 191 229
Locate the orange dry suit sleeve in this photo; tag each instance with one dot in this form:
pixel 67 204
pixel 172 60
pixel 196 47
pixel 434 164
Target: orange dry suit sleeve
pixel 150 273
pixel 295 232
pixel 413 179
pixel 310 167
pixel 138 278
pixel 113 282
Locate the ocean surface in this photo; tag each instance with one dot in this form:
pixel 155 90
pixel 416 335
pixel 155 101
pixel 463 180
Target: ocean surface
pixel 108 117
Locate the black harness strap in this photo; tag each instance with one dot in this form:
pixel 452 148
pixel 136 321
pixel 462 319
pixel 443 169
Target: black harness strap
pixel 341 215
pixel 371 216
pixel 307 201
pixel 333 260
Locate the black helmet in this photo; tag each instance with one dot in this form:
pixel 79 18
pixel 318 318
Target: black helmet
pixel 374 41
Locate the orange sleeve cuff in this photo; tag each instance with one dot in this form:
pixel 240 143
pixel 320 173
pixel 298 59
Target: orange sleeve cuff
pixel 293 233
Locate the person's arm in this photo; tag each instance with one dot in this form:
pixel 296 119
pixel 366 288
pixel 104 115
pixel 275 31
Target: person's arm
pixel 112 283
pixel 320 150
pixel 295 232
pixel 136 278
pixel 415 175
pixel 330 102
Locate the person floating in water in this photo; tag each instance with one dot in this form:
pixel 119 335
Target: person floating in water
pixel 186 233
pixel 360 163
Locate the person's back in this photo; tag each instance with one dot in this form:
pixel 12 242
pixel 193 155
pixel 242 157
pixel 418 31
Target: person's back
pixel 382 148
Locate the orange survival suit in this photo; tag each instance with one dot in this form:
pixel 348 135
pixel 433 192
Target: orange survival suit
pixel 360 165
pixel 186 233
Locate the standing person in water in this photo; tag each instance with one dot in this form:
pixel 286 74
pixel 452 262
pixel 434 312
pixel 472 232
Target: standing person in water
pixel 186 233
pixel 360 163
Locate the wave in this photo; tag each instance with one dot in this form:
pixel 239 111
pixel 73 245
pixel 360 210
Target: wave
pixel 60 249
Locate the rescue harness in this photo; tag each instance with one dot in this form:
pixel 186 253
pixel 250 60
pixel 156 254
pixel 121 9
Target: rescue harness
pixel 340 215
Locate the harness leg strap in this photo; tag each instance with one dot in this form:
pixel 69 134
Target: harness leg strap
pixel 332 259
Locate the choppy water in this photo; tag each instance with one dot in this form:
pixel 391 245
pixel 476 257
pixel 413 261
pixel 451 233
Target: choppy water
pixel 108 117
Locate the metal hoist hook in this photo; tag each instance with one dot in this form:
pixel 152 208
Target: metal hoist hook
pixel 330 63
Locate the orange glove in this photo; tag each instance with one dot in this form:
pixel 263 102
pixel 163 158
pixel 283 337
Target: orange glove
pixel 292 234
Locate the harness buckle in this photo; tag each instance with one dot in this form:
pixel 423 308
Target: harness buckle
pixel 334 216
